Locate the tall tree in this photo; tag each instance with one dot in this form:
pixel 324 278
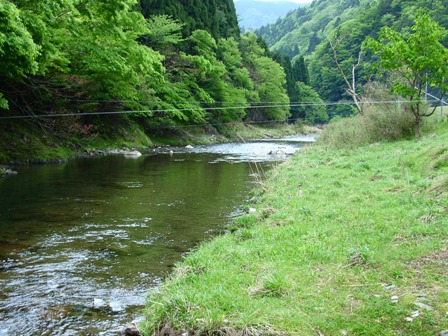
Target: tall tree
pixel 308 105
pixel 269 82
pixel 300 70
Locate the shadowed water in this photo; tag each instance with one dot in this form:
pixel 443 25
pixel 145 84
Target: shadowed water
pixel 82 243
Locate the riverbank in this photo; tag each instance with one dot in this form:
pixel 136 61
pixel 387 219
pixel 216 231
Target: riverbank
pixel 342 242
pixel 22 143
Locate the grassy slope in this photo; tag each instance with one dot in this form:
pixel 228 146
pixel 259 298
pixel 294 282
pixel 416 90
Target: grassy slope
pixel 347 242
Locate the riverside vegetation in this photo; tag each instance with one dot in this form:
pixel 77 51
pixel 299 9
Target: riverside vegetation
pixel 29 145
pixel 79 74
pixel 346 240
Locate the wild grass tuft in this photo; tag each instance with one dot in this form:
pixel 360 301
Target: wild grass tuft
pixel 378 123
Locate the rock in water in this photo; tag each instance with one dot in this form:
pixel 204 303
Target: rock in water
pixel 115 306
pixel 132 154
pixel 99 303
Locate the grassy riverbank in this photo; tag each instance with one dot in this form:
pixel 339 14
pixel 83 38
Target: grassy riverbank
pixel 343 242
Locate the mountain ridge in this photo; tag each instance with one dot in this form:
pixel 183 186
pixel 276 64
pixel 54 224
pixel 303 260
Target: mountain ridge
pixel 253 14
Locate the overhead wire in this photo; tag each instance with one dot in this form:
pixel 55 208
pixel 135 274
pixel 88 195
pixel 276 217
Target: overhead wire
pixel 263 105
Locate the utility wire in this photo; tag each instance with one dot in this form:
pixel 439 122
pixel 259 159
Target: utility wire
pixel 264 106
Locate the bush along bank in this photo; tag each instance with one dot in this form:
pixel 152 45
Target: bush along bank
pixel 343 242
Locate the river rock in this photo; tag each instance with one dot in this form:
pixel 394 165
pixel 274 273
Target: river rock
pixel 116 306
pixel 99 303
pixel 7 171
pixel 252 210
pixel 424 306
pixel 189 147
pixel 388 286
pixel 131 331
pixel 443 333
pixel 132 154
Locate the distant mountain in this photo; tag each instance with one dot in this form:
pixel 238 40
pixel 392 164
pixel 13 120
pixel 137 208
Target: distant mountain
pixel 253 14
pixel 306 32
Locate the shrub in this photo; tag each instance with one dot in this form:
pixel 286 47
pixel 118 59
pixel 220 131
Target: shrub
pixel 378 123
pixel 383 121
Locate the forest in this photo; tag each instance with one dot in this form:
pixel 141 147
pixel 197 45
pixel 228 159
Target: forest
pixel 72 69
pixel 79 68
pixel 330 32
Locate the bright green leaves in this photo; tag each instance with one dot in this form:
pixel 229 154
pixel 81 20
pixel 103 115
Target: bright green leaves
pixel 18 52
pixel 270 81
pixel 269 96
pixel 203 44
pixel 104 56
pixel 309 105
pixel 418 58
pixel 162 32
pixel 108 56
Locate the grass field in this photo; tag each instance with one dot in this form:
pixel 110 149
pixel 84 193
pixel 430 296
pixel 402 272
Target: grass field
pixel 343 242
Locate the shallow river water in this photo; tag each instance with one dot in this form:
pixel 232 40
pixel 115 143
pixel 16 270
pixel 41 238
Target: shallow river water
pixel 82 243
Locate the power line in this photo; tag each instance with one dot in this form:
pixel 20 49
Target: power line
pixel 264 106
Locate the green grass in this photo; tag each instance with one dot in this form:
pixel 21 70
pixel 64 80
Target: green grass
pixel 336 235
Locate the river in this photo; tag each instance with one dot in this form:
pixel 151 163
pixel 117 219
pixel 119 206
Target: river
pixel 82 243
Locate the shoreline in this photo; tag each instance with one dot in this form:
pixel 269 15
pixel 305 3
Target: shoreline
pixel 342 242
pixel 35 151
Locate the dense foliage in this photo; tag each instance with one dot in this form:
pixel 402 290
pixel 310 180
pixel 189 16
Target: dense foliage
pixel 101 63
pixel 311 32
pixel 218 17
pixel 420 59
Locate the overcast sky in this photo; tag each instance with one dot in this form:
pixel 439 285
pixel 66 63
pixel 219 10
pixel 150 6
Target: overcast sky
pixel 296 1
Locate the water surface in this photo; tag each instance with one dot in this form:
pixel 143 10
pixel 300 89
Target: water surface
pixel 82 243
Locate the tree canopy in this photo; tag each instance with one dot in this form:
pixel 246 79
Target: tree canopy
pixel 185 62
pixel 312 31
pixel 419 58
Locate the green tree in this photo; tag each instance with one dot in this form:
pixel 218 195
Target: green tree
pixel 105 53
pixel 18 51
pixel 308 105
pixel 240 85
pixel 300 70
pixel 418 58
pixel 176 98
pixel 269 80
pixel 163 31
pixel 29 45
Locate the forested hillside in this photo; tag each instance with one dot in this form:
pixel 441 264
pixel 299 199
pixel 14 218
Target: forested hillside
pixel 93 69
pixel 218 17
pixel 311 32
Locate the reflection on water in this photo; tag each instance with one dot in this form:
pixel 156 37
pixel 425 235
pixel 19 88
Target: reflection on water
pixel 82 243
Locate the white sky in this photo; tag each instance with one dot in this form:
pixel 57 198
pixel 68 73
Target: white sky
pixel 296 1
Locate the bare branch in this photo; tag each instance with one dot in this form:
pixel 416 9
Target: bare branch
pixel 351 87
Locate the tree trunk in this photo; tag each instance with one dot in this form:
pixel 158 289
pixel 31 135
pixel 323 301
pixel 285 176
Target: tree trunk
pixel 418 122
